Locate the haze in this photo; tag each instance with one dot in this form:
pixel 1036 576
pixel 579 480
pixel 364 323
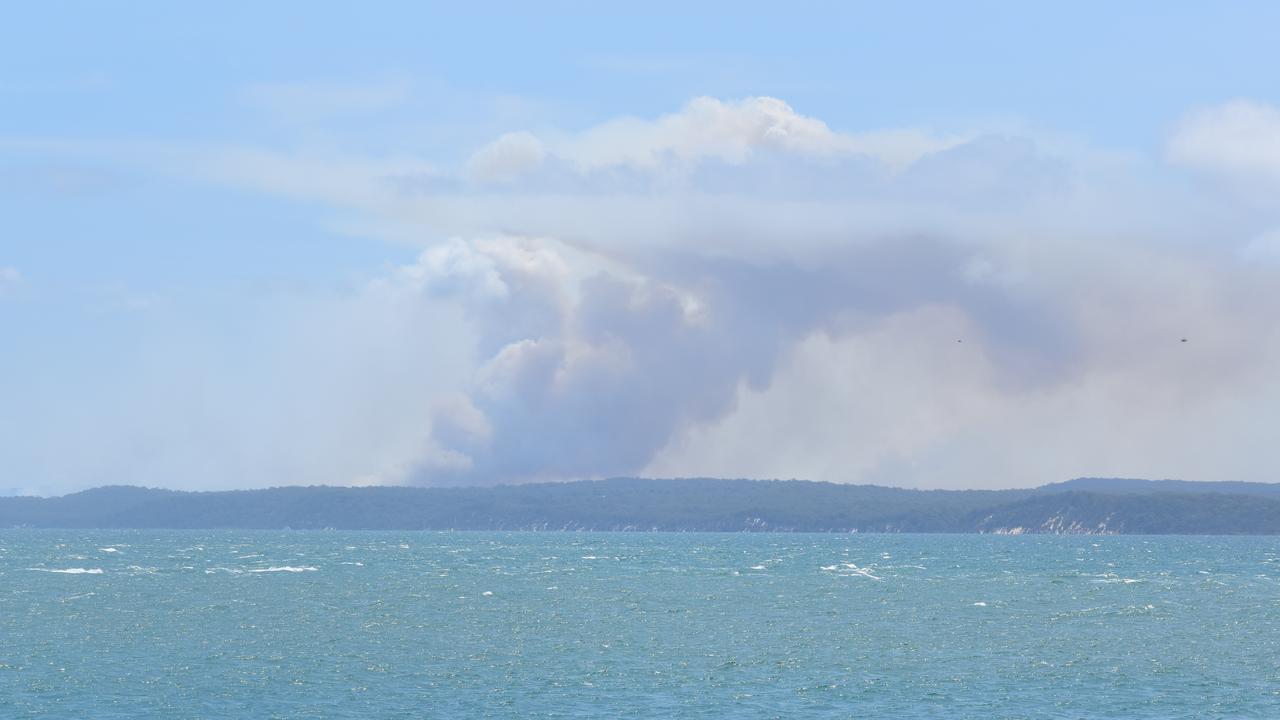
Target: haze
pixel 920 246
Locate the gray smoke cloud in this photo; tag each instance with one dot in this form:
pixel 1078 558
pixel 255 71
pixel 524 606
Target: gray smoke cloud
pixel 1069 277
pixel 598 382
pixel 736 289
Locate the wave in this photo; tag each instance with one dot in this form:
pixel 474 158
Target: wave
pixel 849 569
pixel 70 571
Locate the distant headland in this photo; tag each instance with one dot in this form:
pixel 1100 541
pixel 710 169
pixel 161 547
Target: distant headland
pixel 1081 506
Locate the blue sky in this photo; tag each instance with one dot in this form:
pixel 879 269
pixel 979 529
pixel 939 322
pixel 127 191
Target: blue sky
pixel 251 245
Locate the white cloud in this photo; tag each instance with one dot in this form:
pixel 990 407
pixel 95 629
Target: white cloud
pixel 732 132
pixel 506 158
pixel 455 267
pixel 705 130
pixel 1239 140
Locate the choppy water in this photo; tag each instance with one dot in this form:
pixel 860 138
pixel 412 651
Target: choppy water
pixel 486 625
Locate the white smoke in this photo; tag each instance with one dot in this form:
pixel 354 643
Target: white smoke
pixel 737 289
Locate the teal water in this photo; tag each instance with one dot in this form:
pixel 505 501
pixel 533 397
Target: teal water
pixel 558 625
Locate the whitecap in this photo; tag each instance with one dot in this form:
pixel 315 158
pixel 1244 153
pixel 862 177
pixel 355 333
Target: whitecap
pixel 487 593
pixel 285 568
pixel 979 604
pixel 847 569
pixel 756 567
pixel 70 571
pixel 108 550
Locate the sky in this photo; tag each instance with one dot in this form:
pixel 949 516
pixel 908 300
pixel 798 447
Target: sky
pixel 932 245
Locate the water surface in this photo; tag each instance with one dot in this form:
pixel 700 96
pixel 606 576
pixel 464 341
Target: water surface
pixel 146 624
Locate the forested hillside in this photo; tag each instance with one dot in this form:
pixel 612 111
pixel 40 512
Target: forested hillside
pixel 1082 506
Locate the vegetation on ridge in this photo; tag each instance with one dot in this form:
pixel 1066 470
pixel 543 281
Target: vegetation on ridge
pixel 677 505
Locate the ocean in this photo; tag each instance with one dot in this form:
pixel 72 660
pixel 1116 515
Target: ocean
pixel 234 624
